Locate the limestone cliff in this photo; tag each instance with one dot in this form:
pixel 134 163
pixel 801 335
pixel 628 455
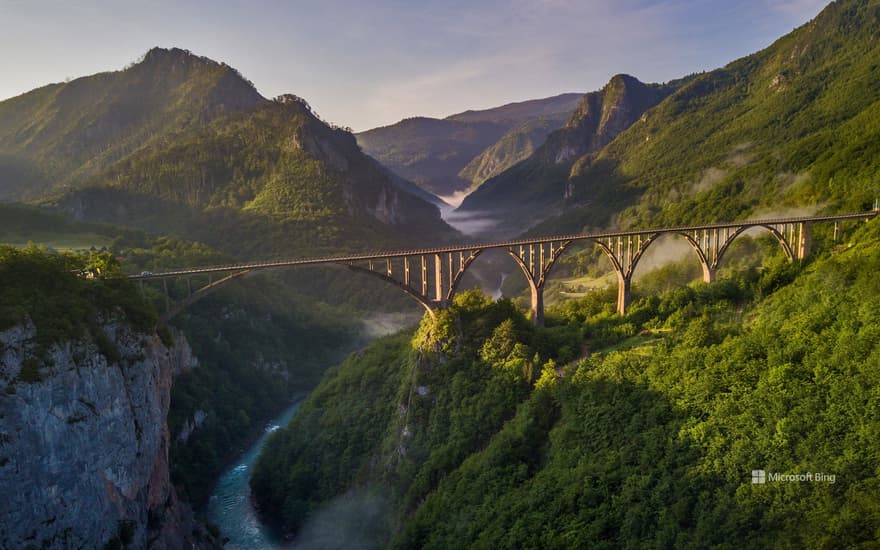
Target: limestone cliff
pixel 84 441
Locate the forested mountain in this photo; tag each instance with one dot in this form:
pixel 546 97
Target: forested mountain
pixel 276 170
pixel 62 134
pixel 181 144
pixel 795 124
pixel 452 155
pixel 540 182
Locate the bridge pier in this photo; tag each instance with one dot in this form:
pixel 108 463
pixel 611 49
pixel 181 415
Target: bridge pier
pixel 623 293
pixel 805 240
pixel 708 273
pixel 537 304
pixel 536 264
pixel 439 284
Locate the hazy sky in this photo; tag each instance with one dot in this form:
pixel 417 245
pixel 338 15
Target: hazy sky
pixel 367 63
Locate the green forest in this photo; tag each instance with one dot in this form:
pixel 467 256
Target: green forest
pixel 481 430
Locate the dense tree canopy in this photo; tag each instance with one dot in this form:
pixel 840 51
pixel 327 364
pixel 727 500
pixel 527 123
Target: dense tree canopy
pixel 483 431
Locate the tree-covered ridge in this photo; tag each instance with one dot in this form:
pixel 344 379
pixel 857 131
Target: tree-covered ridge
pixel 655 447
pixel 273 180
pixel 397 418
pixel 63 133
pixel 648 441
pixel 527 191
pixel 794 125
pixel 278 160
pixel 64 294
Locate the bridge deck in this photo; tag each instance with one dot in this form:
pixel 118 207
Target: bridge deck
pixel 273 264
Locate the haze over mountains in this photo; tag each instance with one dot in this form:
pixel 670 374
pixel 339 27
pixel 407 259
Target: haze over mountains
pixel 451 156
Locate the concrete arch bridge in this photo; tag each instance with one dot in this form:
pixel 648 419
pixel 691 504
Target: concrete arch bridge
pixel 432 276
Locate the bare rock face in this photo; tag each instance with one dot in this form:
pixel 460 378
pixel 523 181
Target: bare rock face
pixel 84 442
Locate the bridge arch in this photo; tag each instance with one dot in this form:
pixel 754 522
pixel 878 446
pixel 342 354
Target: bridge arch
pixel 788 247
pixel 456 279
pixel 535 264
pixel 673 238
pixel 711 245
pixel 173 310
pixel 624 252
pixel 424 302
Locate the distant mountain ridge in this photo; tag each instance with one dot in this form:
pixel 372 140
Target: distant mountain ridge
pixel 521 111
pixel 452 155
pixel 535 184
pixel 181 143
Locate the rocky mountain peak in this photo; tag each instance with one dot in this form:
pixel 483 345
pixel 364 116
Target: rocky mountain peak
pixel 160 56
pixel 223 86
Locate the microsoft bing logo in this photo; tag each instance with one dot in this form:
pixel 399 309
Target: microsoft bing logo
pixel 759 477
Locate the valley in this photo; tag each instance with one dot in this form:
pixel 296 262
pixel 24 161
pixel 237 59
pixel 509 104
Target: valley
pixel 701 333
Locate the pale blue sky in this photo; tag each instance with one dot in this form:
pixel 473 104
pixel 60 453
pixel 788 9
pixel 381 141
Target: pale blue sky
pixel 366 63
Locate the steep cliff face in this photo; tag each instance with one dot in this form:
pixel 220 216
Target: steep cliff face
pixel 84 441
pixel 601 116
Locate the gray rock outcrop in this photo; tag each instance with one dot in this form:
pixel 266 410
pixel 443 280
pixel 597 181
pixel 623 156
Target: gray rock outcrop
pixel 84 441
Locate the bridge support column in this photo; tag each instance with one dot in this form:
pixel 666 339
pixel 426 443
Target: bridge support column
pixel 439 285
pixel 708 273
pixel 623 293
pixel 537 304
pixel 805 240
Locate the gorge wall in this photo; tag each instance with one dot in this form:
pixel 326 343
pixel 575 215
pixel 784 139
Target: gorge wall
pixel 84 440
